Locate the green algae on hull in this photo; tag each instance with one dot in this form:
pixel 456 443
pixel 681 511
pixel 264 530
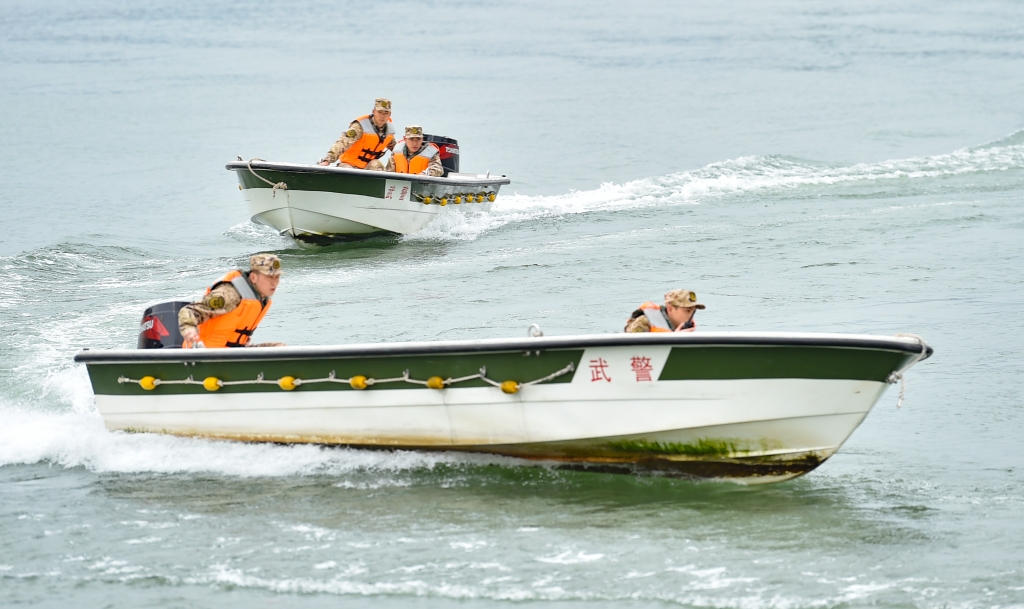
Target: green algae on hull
pixel 701 448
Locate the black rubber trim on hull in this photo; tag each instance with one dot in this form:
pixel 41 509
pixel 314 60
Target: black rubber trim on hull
pixel 287 168
pixel 499 345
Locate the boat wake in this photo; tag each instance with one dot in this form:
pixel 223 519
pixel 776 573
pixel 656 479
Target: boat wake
pixel 77 438
pixel 767 176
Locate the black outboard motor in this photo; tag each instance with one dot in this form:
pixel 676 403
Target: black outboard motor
pixel 159 329
pixel 449 152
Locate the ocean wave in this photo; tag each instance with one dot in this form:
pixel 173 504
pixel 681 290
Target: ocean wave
pixel 765 174
pixel 693 587
pixel 259 235
pixel 77 438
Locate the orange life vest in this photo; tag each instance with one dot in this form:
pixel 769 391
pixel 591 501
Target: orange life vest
pixel 233 329
pixel 369 147
pixel 657 318
pixel 419 162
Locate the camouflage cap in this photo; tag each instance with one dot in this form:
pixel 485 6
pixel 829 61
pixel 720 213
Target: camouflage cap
pixel 682 298
pixel 382 103
pixel 268 264
pixel 414 131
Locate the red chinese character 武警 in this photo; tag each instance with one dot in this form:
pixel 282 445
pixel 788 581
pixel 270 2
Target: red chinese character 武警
pixel 642 367
pixel 599 370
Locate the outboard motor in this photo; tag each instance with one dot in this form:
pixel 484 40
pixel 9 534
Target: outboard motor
pixel 159 329
pixel 449 148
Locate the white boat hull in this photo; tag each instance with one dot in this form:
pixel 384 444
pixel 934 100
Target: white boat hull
pixel 319 205
pixel 323 214
pixel 768 420
pixel 783 408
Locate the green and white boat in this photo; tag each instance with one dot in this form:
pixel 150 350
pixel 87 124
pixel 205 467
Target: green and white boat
pixel 318 205
pixel 748 407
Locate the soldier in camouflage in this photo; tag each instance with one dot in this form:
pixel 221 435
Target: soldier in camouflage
pixel 263 277
pixel 678 311
pixel 413 145
pixel 379 118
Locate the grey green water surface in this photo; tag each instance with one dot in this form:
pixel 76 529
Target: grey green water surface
pixel 805 166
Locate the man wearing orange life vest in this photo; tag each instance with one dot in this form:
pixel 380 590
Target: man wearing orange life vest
pixel 232 307
pixel 675 316
pixel 367 139
pixel 411 156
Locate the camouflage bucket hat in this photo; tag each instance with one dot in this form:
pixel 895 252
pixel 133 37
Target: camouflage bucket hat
pixel 382 103
pixel 268 264
pixel 414 131
pixel 683 298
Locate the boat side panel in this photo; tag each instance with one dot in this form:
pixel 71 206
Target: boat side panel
pixel 367 186
pixel 750 361
pixel 602 367
pixel 514 365
pixel 458 179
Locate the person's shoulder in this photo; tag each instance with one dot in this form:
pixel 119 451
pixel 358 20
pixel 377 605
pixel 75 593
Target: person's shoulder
pixel 354 129
pixel 432 148
pixel 225 289
pixel 638 324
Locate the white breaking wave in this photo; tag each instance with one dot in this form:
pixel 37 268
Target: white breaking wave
pixel 79 439
pixel 258 235
pixel 751 174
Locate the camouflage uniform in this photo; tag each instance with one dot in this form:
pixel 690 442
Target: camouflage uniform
pixel 225 297
pixel 677 298
pixel 354 133
pixel 435 168
pixel 638 324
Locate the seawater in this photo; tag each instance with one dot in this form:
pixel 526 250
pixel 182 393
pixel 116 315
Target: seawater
pixel 803 166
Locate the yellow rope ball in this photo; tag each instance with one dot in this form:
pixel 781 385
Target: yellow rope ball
pixel 427 200
pixel 211 383
pixel 444 201
pixel 287 383
pixel 148 383
pixel 435 382
pixel 492 197
pixel 510 387
pixel 479 198
pixel 458 199
pixel 358 382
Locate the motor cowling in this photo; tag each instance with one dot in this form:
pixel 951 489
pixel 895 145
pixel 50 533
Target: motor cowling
pixel 449 149
pixel 159 328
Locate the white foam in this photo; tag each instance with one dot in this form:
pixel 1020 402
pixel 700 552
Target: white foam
pixel 569 558
pixel 79 439
pixel 260 235
pixel 735 176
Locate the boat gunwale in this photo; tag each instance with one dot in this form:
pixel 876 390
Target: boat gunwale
pixel 750 339
pixel 321 169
